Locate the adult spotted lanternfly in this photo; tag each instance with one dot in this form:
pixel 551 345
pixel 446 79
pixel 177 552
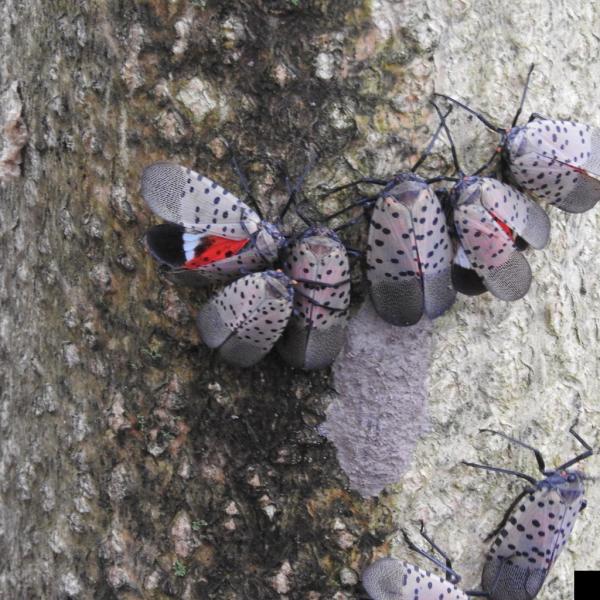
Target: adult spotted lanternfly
pixel 247 317
pixel 493 222
pixel 212 235
pixel 318 264
pixel 553 160
pixel 393 579
pixel 409 251
pixel 536 527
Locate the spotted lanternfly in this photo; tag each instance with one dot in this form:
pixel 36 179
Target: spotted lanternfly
pixel 211 235
pixel 245 319
pixel 557 161
pixel 409 253
pixel 318 263
pixel 393 579
pixel 535 528
pixel 553 160
pixel 493 222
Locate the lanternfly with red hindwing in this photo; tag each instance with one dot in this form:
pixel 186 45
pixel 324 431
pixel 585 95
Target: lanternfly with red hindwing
pixel 553 160
pixel 558 161
pixel 212 236
pixel 491 221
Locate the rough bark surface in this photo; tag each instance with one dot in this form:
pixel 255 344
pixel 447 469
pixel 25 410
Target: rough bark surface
pixel 132 465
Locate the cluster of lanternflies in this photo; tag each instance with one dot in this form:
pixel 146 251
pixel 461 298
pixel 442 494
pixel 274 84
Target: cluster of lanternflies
pixel 425 244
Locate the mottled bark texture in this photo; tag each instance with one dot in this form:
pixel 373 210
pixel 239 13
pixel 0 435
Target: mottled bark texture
pixel 135 466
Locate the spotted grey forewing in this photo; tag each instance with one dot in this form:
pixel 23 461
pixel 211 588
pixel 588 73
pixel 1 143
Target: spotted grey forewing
pixel 393 579
pixel 488 241
pixel 184 197
pixel 211 232
pixel 318 262
pixel 245 319
pixel 409 253
pixel 532 537
pixel 557 161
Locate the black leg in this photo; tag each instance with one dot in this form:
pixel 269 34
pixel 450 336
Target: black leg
pixel 588 451
pixel 370 180
pixel 244 184
pixel 350 222
pixel 452 146
pixel 538 454
pixel 485 121
pixel 432 141
pixel 534 116
pixel 307 221
pixel 442 178
pixel 294 190
pixel 451 575
pixel 524 476
pixel 497 152
pixel 430 541
pixel 364 202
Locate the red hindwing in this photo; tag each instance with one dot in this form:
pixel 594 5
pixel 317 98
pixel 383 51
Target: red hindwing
pixel 509 232
pixel 214 249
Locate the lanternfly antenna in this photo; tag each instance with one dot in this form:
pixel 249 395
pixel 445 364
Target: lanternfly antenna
pixel 479 116
pixel 520 109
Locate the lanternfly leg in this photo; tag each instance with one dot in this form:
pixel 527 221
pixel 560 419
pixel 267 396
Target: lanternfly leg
pixel 430 541
pixel 588 451
pixel 451 575
pixel 524 476
pixel 369 180
pixel 450 141
pixel 434 138
pixel 245 185
pixel 294 191
pixel 538 455
pixel 485 121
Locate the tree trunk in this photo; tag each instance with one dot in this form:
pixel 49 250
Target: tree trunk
pixel 134 464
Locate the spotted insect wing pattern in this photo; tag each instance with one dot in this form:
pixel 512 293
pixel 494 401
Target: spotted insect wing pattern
pixel 245 320
pixel 409 253
pixel 532 537
pixel 204 218
pixel 318 261
pixel 259 253
pixel 488 215
pixel 393 579
pixel 557 161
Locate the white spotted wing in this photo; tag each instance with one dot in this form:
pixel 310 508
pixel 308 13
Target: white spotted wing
pixel 409 253
pixel 247 317
pixel 212 235
pixel 526 218
pixel 393 579
pixel 557 161
pixel 529 543
pixel 318 262
pixel 184 197
pixel 488 247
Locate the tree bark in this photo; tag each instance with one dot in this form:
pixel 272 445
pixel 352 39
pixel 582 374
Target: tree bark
pixel 135 465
